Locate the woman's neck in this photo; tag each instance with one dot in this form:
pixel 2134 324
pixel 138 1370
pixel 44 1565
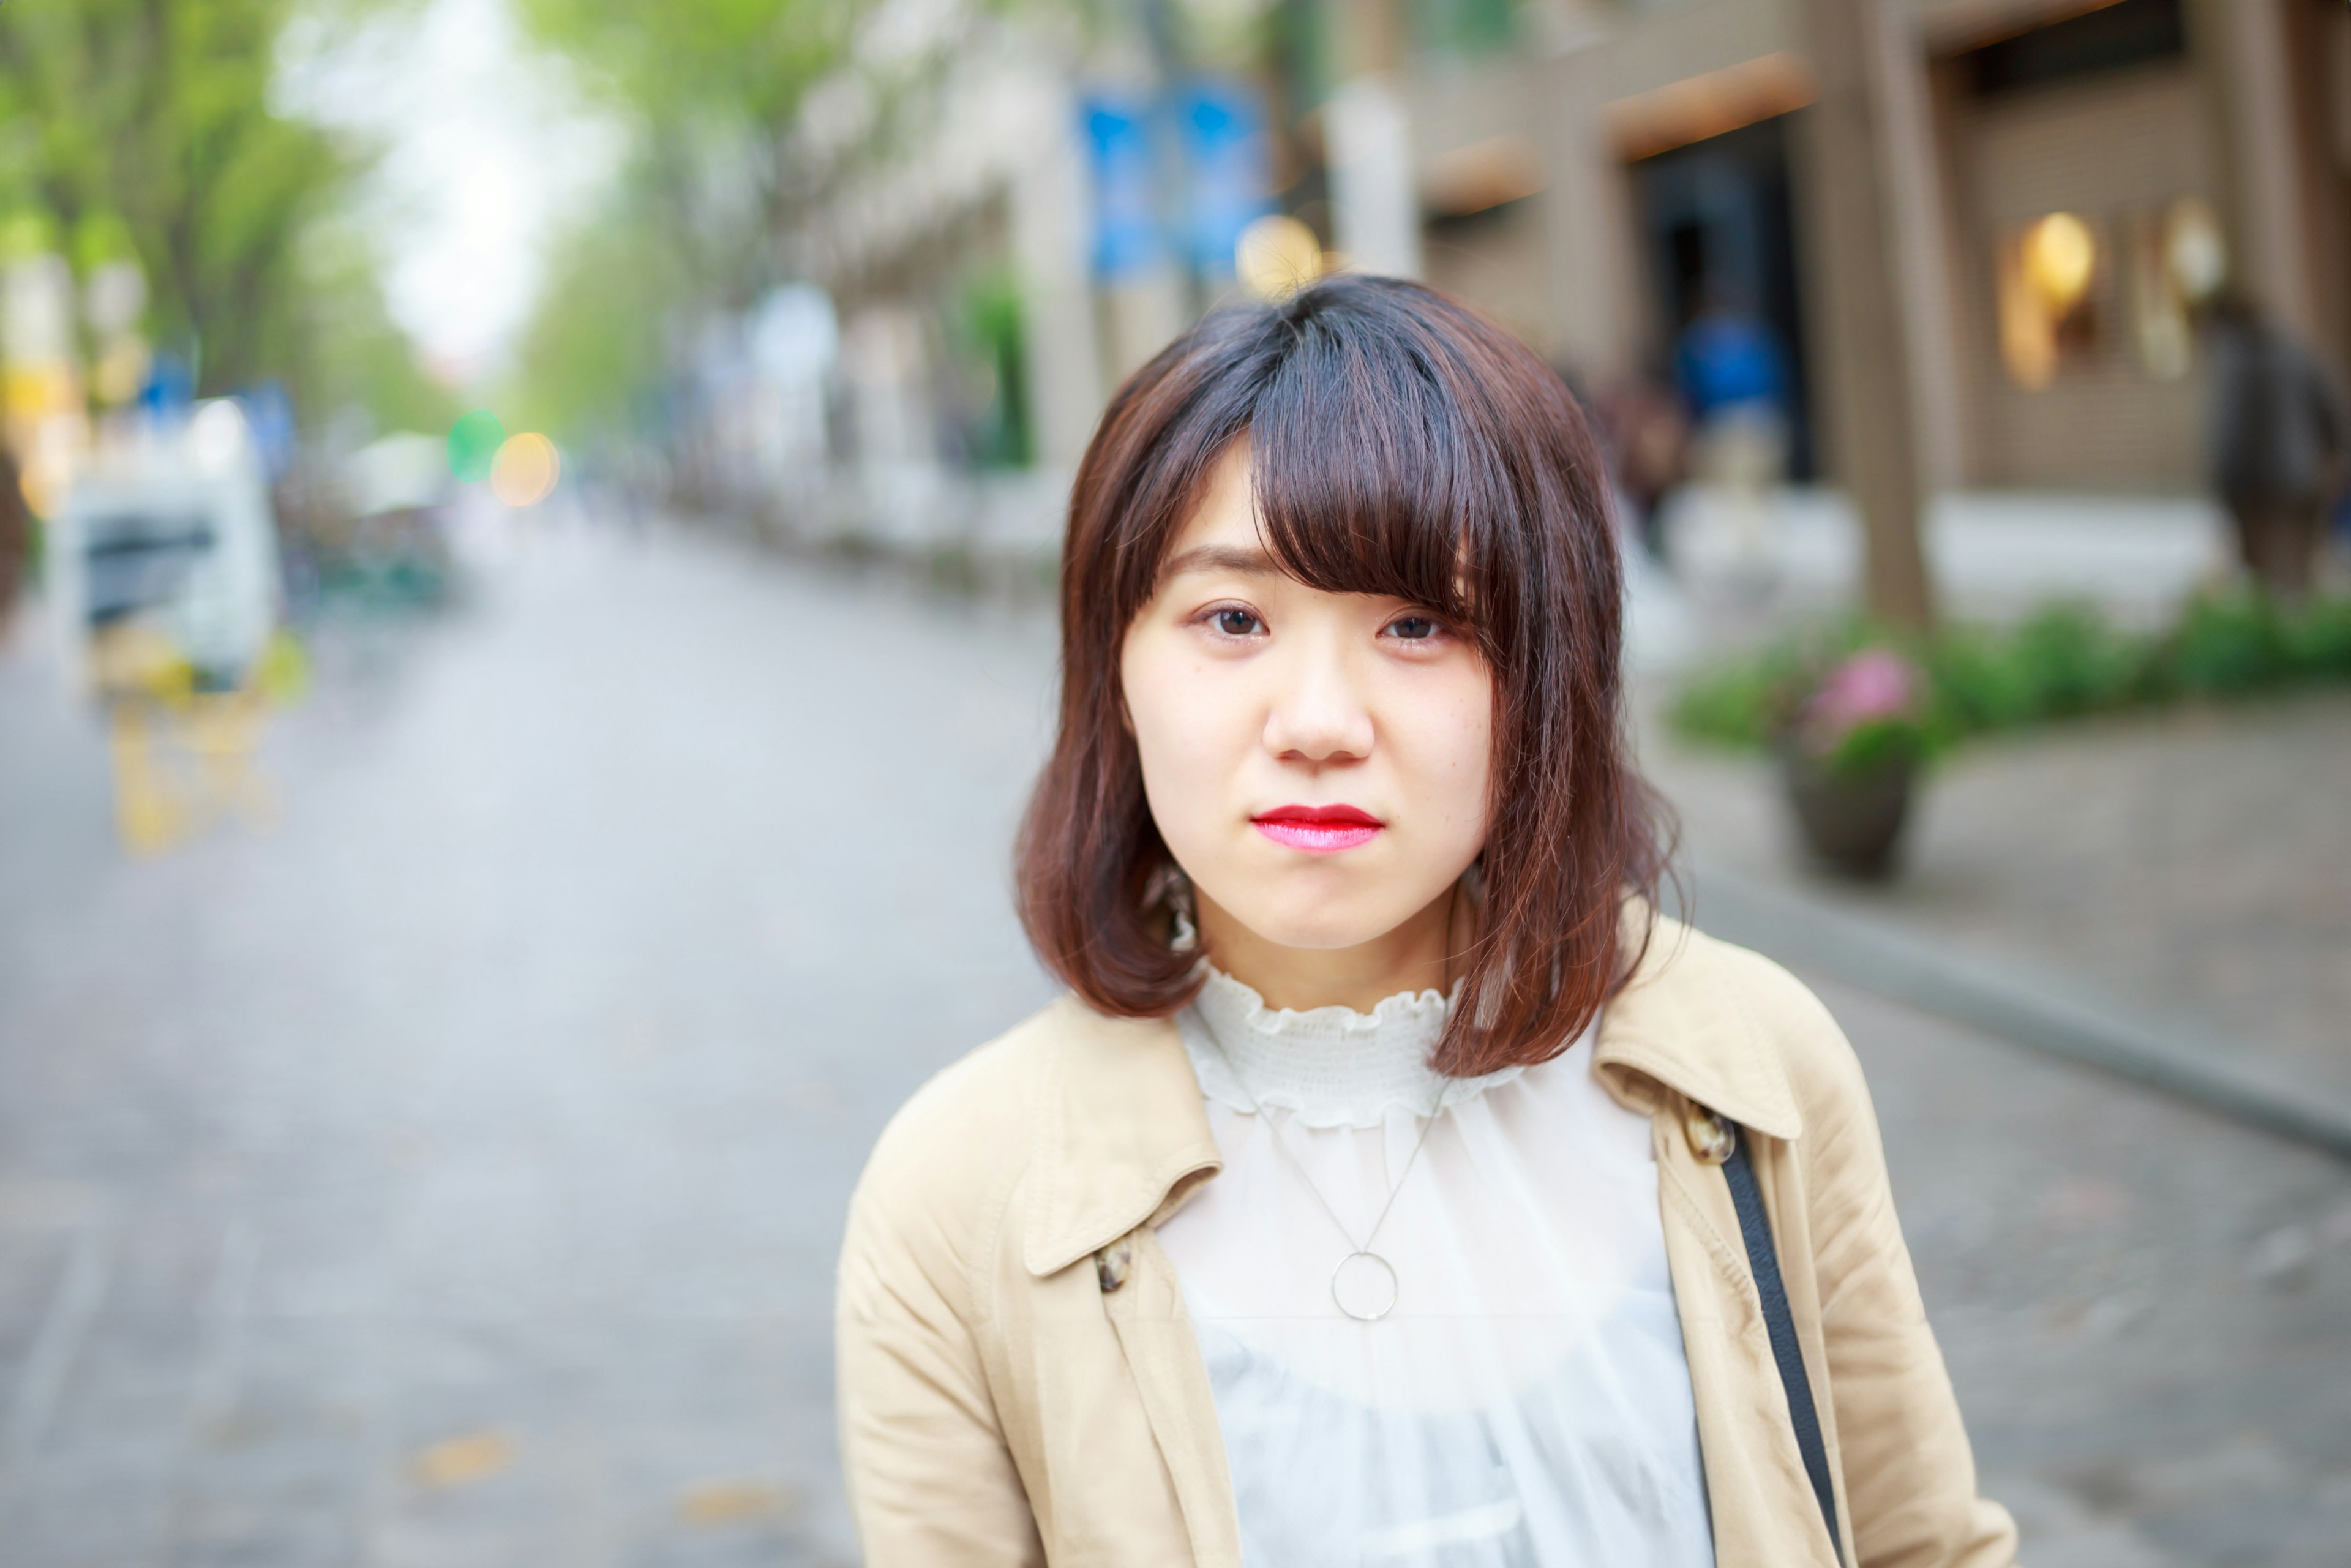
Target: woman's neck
pixel 1417 956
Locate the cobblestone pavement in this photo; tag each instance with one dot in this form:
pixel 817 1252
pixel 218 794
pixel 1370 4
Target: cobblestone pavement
pixel 451 1172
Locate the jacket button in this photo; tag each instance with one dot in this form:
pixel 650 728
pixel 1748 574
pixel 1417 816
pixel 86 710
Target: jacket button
pixel 1112 1263
pixel 1710 1137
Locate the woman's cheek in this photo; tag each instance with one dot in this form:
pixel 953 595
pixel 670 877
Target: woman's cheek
pixel 1459 748
pixel 1178 773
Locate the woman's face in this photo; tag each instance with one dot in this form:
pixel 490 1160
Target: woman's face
pixel 1317 762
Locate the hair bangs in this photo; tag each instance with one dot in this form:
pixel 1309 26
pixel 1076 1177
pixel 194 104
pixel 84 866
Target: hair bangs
pixel 1369 479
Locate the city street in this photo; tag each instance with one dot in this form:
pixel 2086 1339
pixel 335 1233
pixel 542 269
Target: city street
pixel 449 1170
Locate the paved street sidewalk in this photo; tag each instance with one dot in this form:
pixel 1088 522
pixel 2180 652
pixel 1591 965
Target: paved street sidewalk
pixel 2194 866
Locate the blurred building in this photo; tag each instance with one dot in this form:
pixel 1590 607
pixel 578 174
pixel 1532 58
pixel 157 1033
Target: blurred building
pixel 1040 202
pixel 2065 179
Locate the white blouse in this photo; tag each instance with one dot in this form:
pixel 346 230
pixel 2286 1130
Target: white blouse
pixel 1527 1401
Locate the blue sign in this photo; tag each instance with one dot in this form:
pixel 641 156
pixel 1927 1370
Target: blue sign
pixel 1128 239
pixel 1230 164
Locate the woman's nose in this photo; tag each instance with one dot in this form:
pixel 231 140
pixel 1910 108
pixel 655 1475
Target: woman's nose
pixel 1319 714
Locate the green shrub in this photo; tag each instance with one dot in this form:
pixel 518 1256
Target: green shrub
pixel 2069 661
pixel 2063 662
pixel 1978 685
pixel 2319 643
pixel 1728 705
pixel 1867 747
pixel 2225 645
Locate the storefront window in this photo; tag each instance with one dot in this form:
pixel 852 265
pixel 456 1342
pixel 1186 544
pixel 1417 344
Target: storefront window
pixel 2178 259
pixel 2048 314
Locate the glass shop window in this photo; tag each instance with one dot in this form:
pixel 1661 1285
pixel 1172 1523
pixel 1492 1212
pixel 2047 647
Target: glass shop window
pixel 2048 274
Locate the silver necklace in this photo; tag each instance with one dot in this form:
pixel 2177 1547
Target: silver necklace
pixel 1365 1285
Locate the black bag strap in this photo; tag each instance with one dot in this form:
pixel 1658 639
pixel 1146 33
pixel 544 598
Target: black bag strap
pixel 1763 1262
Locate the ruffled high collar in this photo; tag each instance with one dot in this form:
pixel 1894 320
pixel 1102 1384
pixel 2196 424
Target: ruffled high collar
pixel 1330 1067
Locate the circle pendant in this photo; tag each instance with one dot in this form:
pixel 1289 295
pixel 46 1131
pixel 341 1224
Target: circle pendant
pixel 1363 1286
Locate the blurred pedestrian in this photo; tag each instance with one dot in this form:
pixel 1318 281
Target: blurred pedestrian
pixel 1647 437
pixel 1735 378
pixel 2277 443
pixel 1397 1183
pixel 1730 364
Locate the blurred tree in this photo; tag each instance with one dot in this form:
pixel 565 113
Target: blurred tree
pixel 146 126
pixel 596 343
pixel 352 353
pixel 714 89
pixel 722 163
pixel 713 93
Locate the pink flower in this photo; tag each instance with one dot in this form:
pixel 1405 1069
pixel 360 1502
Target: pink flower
pixel 1874 684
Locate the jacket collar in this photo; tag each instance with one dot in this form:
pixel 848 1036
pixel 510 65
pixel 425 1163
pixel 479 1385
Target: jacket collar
pixel 1123 1135
pixel 1677 1022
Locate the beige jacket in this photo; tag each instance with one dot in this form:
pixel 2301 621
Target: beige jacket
pixel 1019 1383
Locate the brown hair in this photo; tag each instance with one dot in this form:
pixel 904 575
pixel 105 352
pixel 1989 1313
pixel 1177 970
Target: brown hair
pixel 1403 446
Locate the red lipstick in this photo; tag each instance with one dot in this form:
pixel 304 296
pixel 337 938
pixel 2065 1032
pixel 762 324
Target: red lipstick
pixel 1319 829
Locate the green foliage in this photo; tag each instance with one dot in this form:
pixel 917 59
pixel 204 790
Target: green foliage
pixel 141 129
pixel 1753 701
pixel 712 90
pixel 990 341
pixel 1876 744
pixel 2227 645
pixel 596 341
pixel 747 61
pixel 1732 704
pixel 354 355
pixel 2319 643
pixel 2063 661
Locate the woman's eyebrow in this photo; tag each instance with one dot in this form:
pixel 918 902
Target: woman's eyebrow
pixel 1247 560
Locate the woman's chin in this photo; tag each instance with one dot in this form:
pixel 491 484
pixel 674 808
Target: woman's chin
pixel 1318 929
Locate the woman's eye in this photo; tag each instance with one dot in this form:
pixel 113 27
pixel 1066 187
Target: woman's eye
pixel 1414 628
pixel 1237 622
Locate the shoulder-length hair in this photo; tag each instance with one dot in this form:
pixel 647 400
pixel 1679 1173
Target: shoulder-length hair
pixel 1400 444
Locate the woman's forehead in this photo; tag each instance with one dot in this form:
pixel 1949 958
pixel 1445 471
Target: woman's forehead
pixel 1325 545
pixel 1223 528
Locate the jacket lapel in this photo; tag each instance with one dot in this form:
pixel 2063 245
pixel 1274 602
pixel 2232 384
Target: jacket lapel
pixel 1161 1352
pixel 1122 1134
pixel 1123 1140
pixel 1690 1036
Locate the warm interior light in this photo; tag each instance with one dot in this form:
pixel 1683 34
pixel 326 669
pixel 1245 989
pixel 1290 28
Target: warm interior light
pixel 1277 255
pixel 2048 314
pixel 525 470
pixel 2059 257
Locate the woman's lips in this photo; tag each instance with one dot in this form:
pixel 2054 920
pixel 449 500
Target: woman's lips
pixel 1319 829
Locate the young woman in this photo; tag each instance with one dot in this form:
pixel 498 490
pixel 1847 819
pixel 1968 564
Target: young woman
pixel 1394 1187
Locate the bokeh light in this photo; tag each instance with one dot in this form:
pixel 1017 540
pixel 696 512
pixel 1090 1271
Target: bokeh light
pixel 1277 255
pixel 2060 254
pixel 473 444
pixel 2194 250
pixel 217 435
pixel 526 470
